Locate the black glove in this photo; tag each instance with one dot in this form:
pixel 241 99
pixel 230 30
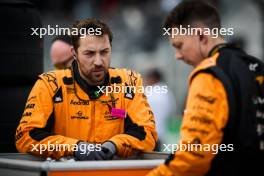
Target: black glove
pixel 89 151
pixel 109 149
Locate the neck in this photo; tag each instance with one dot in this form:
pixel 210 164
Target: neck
pixel 215 42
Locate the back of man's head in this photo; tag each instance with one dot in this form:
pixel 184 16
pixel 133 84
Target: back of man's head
pixel 60 51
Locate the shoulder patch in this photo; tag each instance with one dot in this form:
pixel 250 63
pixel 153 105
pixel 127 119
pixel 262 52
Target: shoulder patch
pixel 51 79
pixel 132 76
pixel 129 92
pixel 57 98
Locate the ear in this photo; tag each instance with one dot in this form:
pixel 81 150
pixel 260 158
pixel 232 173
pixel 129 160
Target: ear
pixel 203 38
pixel 74 53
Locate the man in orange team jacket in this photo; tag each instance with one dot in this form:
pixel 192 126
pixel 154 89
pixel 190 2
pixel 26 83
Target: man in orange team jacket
pixel 69 112
pixel 222 132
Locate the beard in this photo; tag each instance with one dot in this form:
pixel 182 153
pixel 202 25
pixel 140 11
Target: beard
pixel 93 77
pixel 97 78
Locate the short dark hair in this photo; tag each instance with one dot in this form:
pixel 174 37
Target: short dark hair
pixel 189 12
pixel 87 24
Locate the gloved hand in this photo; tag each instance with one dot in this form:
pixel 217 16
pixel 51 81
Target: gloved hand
pixel 109 149
pixel 89 151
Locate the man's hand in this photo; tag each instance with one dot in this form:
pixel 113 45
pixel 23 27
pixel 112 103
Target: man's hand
pixel 109 148
pixel 89 151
